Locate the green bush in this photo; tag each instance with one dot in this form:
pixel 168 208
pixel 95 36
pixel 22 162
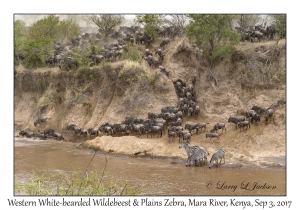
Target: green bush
pixel 132 53
pixel 36 53
pixel 75 184
pixel 81 60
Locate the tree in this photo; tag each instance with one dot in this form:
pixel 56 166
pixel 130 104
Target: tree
pixel 36 52
pixel 247 21
pixel 107 23
pixel 279 23
pixel 213 33
pixel 68 28
pixel 19 38
pixel 151 23
pixel 45 29
pixel 178 22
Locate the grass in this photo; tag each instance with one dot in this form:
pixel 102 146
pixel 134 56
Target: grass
pixel 131 71
pixel 132 53
pixel 75 184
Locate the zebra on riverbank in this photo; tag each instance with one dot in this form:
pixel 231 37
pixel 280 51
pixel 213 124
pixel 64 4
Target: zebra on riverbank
pixel 197 157
pixel 189 150
pixel 216 156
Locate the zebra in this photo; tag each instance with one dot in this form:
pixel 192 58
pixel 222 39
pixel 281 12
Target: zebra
pixel 189 150
pixel 197 157
pixel 216 156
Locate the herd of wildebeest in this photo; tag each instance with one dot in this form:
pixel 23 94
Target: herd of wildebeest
pixel 170 121
pixel 64 56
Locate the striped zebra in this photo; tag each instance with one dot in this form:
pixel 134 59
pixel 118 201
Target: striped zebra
pixel 197 157
pixel 189 150
pixel 216 156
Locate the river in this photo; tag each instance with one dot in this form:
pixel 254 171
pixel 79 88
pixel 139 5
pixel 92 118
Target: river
pixel 155 176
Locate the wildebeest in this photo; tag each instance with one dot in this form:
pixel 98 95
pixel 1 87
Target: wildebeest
pixel 212 135
pixel 93 132
pixel 40 120
pixel 164 43
pixel 259 110
pixel 76 129
pixel 187 137
pixel 160 53
pixel 26 133
pixel 249 114
pixel 153 130
pixel 120 128
pixel 243 124
pixel 70 126
pixel 49 132
pixel 40 136
pixel 256 117
pixel 269 114
pixel 181 133
pixel 236 119
pixel 57 135
pixel 194 126
pixel 172 135
pixel 163 70
pixel 200 126
pixel 138 128
pixel 197 110
pixel 218 126
pixel 190 111
pixel 106 129
pixel 257 34
pixel 83 132
pixel 178 122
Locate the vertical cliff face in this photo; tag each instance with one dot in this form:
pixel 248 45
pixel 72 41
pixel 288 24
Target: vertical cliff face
pixel 89 98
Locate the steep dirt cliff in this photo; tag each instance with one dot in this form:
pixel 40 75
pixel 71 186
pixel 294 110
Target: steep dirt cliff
pixel 254 75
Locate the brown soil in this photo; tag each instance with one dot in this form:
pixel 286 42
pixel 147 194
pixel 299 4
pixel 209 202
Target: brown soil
pixel 91 98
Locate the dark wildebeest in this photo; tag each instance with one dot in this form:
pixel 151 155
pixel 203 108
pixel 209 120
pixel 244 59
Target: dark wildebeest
pixel 249 114
pixel 187 137
pixel 243 125
pixel 93 132
pixel 218 126
pixel 26 133
pixel 259 110
pixel 40 136
pixel 83 132
pixel 172 135
pixel 256 117
pixel 236 119
pixel 164 43
pixel 49 132
pixel 212 135
pixel 106 129
pixel 57 135
pixel 160 53
pixel 70 126
pixel 76 129
pixel 269 114
pixel 40 120
pixel 154 129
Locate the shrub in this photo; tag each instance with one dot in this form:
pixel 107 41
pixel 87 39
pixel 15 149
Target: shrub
pixel 132 53
pixel 75 184
pixel 36 53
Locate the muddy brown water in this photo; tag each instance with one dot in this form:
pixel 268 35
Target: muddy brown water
pixel 155 176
